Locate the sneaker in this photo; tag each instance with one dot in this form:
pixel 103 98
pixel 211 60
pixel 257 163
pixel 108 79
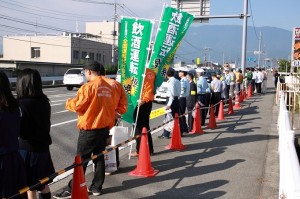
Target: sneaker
pixel 95 191
pixel 63 194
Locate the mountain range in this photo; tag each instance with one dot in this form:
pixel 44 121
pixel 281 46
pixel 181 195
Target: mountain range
pixel 218 43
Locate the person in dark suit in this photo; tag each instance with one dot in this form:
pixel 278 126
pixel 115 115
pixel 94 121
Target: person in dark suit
pixel 191 100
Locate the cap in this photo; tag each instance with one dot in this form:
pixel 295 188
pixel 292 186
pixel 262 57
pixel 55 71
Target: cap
pixel 199 70
pixel 183 69
pixel 95 66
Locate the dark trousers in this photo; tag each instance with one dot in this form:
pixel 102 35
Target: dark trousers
pixel 207 103
pixel 174 110
pixel 216 98
pixel 190 118
pixel 202 99
pixel 143 121
pixel 253 85
pixel 182 120
pixel 258 87
pixel 93 142
pixel 227 88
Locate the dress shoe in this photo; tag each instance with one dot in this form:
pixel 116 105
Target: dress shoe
pixel 162 137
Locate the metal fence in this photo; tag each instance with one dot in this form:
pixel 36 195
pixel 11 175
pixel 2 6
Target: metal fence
pixel 290 87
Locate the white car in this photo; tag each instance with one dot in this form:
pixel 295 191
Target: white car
pixel 74 77
pixel 161 93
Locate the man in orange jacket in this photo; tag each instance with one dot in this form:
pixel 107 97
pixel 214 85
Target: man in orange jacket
pixel 121 104
pixel 95 104
pixel 145 107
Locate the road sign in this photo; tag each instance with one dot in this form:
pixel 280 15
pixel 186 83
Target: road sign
pixel 198 8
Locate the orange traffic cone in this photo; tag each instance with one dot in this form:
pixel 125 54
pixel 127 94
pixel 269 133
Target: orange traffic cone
pixel 230 107
pixel 221 111
pixel 175 143
pixel 79 188
pixel 237 102
pixel 144 168
pixel 212 118
pixel 245 95
pixel 241 96
pixel 249 91
pixel 197 129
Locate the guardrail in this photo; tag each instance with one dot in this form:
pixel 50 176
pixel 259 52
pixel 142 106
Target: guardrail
pixel 54 79
pixel 288 160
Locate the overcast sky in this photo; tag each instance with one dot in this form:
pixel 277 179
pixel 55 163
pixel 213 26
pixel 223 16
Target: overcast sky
pixel 18 16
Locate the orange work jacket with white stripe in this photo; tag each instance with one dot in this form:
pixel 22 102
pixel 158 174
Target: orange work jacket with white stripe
pixel 121 99
pixel 95 105
pixel 148 89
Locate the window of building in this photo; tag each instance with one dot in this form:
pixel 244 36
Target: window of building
pixel 92 56
pixel 98 56
pixel 83 55
pixel 35 52
pixel 103 59
pixel 75 54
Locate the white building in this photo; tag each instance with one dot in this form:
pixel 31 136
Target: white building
pixel 69 48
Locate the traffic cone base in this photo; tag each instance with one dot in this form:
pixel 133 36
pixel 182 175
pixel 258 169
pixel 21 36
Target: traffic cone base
pixel 197 129
pixel 175 143
pixel 144 168
pixel 79 188
pixel 237 102
pixel 212 118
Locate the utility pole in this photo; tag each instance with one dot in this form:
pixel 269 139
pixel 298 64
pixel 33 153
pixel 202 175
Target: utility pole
pixel 114 21
pixel 259 50
pixel 244 41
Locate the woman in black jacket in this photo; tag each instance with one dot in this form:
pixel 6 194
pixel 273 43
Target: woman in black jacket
pixel 191 100
pixel 12 169
pixel 35 137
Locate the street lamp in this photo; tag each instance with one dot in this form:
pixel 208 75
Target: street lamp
pixel 87 57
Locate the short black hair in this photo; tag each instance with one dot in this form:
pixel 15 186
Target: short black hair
pixel 191 75
pixel 95 66
pixel 170 72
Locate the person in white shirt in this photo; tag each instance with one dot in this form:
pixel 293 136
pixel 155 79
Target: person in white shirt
pixel 264 84
pixel 258 80
pixel 173 97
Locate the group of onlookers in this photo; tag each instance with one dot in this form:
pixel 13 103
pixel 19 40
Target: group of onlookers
pixel 25 136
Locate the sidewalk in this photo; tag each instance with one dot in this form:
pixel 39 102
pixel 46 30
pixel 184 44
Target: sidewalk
pixel 238 160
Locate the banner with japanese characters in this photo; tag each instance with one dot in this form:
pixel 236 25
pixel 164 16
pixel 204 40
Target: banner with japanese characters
pixel 173 26
pixel 133 50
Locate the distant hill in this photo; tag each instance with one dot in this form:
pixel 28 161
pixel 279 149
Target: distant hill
pixel 226 40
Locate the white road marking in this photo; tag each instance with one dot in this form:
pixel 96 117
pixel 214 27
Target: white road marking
pixel 58 101
pixel 60 112
pixel 56 104
pixel 62 95
pixel 62 123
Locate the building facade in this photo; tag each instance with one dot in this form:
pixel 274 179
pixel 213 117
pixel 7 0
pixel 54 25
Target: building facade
pixel 67 48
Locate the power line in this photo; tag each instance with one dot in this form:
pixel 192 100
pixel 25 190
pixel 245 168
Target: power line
pixel 47 16
pixel 252 18
pixel 45 10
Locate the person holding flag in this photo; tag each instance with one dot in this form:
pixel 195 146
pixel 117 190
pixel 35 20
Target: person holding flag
pixel 142 111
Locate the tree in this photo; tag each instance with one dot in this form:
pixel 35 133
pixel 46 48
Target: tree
pixel 284 65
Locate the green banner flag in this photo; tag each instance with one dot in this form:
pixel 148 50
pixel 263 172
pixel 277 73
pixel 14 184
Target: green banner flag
pixel 174 24
pixel 133 44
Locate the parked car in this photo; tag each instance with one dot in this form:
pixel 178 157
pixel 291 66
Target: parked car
pixel 74 77
pixel 161 93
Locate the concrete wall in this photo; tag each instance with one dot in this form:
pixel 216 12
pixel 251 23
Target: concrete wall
pixel 104 30
pixel 55 49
